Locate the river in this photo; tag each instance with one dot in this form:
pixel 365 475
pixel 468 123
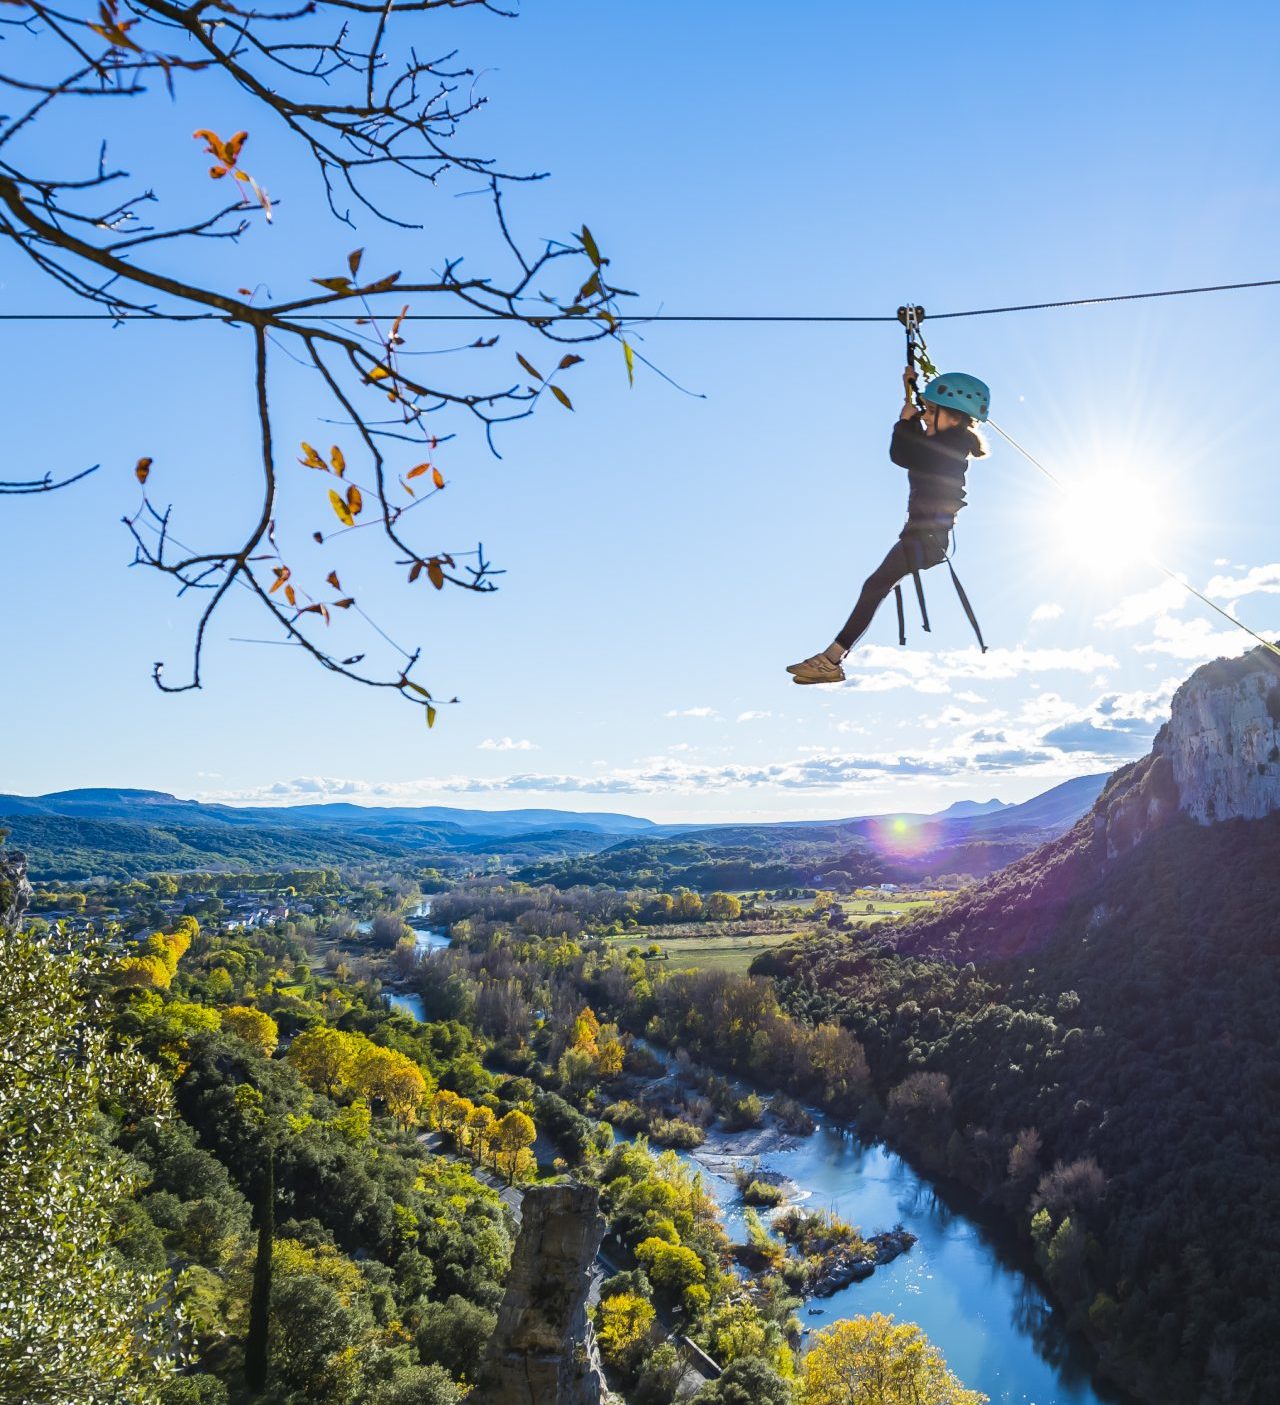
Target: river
pixel 961 1281
pixel 426 940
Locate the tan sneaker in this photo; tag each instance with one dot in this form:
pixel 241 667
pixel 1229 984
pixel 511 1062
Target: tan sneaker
pixel 818 669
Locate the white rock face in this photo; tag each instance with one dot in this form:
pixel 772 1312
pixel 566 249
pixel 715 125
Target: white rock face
pixel 1223 740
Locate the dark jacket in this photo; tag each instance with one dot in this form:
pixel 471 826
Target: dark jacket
pixel 936 467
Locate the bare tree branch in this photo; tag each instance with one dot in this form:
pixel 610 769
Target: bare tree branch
pixel 371 123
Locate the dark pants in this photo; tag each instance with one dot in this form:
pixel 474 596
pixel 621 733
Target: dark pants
pixel 914 550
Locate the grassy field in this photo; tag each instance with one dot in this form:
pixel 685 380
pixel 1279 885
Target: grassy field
pixel 721 947
pixel 721 953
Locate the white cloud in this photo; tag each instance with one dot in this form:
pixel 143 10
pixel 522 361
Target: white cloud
pixel 1260 580
pixel 692 712
pixel 1194 640
pixel 1042 614
pixel 888 668
pixel 1145 605
pixel 752 716
pixel 506 744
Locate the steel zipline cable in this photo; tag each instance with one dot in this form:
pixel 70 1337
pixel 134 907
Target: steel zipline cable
pixel 540 318
pixel 498 315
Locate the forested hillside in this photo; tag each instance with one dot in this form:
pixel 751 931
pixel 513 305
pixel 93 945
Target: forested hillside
pixel 1103 1010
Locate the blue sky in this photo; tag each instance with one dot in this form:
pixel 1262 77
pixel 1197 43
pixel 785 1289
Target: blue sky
pixel 667 555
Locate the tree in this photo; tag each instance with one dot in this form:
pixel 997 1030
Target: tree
pixel 750 1381
pixel 257 1029
pixel 256 1344
pixel 375 128
pixel 455 1334
pixel 723 907
pixel 324 1058
pixel 77 1324
pixel 511 1139
pixel 877 1361
pixel 624 1323
pixel 671 1267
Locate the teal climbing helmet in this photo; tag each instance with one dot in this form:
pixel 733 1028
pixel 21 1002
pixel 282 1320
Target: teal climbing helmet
pixel 957 391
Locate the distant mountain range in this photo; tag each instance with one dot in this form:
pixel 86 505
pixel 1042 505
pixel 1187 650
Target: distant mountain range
pixel 79 834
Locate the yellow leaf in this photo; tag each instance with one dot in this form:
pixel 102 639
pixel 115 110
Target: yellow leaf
pixel 353 261
pixel 528 367
pixel 310 458
pixel 562 397
pixel 344 514
pixel 379 373
pixel 418 688
pixel 338 462
pixel 431 716
pixel 631 362
pixel 335 285
pixel 355 502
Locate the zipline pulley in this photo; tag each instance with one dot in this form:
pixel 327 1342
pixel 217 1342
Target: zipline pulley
pixel 911 315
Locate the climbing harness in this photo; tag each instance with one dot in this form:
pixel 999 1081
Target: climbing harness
pixel 911 315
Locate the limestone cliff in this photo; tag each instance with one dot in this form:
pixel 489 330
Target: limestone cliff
pixel 543 1351
pixel 1216 759
pixel 1222 739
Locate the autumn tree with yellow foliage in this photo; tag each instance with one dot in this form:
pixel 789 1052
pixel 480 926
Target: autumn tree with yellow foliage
pixel 877 1361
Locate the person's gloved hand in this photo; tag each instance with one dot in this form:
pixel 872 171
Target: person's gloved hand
pixel 910 410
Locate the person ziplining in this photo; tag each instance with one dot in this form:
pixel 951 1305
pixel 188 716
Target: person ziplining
pixel 933 439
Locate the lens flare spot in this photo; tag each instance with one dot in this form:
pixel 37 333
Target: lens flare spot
pixel 901 836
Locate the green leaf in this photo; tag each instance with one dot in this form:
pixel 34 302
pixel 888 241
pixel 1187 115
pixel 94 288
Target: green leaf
pixel 589 244
pixel 419 689
pixel 431 716
pixel 528 367
pixel 562 397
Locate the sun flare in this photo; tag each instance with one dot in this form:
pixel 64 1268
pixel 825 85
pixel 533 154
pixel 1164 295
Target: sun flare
pixel 1107 519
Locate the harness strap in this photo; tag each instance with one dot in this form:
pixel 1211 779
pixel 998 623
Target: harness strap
pixel 902 618
pixel 924 613
pixel 968 609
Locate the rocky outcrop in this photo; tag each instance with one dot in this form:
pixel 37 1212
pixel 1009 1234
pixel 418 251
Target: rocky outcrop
pixel 543 1351
pixel 842 1267
pixel 1222 740
pixel 14 888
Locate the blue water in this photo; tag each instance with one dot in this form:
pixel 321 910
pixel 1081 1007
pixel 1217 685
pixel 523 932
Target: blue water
pixel 998 1332
pixel 427 940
